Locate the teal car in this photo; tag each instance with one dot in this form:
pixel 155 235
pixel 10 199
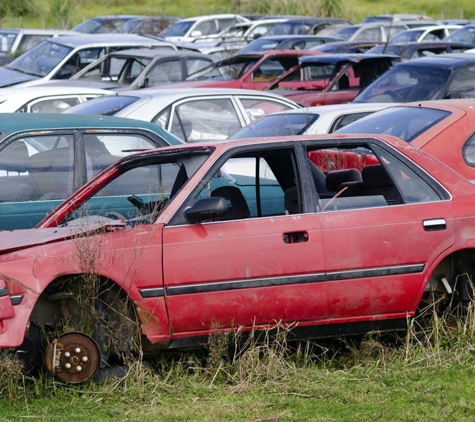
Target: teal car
pixel 44 158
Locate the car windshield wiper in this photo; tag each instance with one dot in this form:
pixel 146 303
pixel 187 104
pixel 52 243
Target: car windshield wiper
pixel 23 71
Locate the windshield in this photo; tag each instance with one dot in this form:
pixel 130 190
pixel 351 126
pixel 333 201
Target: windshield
pixel 289 28
pixel 128 27
pixel 282 124
pixel 407 36
pixel 6 41
pixel 404 122
pixel 228 71
pixel 345 33
pixel 105 108
pixel 141 191
pixel 393 50
pixel 405 83
pixel 178 29
pixel 123 70
pixel 40 60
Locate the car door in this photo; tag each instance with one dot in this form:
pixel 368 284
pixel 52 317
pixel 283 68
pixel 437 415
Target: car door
pixel 259 265
pixel 39 171
pixel 380 233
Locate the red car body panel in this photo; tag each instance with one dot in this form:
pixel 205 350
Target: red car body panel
pixel 195 265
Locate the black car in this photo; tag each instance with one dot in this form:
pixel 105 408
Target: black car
pixel 443 76
pixel 350 47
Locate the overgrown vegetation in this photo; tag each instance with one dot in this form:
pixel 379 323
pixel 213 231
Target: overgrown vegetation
pixel 425 374
pixel 67 13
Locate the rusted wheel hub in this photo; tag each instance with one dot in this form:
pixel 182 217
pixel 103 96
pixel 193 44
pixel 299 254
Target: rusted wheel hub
pixel 73 357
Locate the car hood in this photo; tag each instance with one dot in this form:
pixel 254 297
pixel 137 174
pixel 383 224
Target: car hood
pixel 10 77
pixel 15 240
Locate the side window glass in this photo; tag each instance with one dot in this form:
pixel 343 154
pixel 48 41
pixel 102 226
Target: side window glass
pixel 256 185
pixel 360 177
pixel 37 168
pixel 268 71
pixel 214 119
pixel 194 64
pixel 346 120
pixel 207 27
pixel 370 34
pixel 462 84
pixel 163 117
pixel 256 108
pixel 468 151
pixel 103 150
pixel 29 41
pixel 165 71
pixel 56 105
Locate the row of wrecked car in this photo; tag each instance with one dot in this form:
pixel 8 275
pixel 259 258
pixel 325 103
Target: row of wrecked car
pixel 332 220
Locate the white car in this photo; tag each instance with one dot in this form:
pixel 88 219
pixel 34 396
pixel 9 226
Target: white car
pixel 46 98
pixel 14 41
pixel 62 57
pixel 308 121
pixel 424 33
pixel 187 30
pixel 194 114
pixel 370 31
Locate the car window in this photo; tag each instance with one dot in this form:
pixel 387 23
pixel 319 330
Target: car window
pixel 107 105
pixel 367 176
pixel 258 107
pixel 271 69
pixel 195 64
pixel 165 71
pixel 404 122
pixel 52 105
pixel 6 41
pixel 468 151
pixel 254 184
pixel 369 34
pixel 141 192
pixel 207 27
pixel 36 168
pixel 210 119
pixel 29 41
pixel 345 120
pixel 462 84
pixel 282 124
pixel 104 149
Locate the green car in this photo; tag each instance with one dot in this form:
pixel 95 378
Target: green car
pixel 44 158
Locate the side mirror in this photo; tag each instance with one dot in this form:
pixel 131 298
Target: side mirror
pixel 195 34
pixel 207 209
pixel 144 83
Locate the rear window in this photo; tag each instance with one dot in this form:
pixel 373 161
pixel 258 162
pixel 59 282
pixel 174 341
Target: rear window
pixel 110 107
pixel 404 122
pixel 277 125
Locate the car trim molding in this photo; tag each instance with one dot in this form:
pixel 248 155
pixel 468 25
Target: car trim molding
pixel 16 299
pixel 281 281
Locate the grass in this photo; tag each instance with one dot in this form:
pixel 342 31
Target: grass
pixel 354 10
pixel 427 375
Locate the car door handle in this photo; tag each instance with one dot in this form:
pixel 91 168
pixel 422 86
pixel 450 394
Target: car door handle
pixel 434 224
pixel 295 237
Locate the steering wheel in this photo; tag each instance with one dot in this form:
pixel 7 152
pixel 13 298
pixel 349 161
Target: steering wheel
pixel 396 96
pixel 116 216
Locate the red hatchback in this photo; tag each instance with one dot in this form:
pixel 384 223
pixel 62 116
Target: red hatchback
pixel 165 247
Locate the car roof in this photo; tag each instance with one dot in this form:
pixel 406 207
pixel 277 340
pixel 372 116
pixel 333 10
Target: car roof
pixel 105 39
pixel 49 89
pixel 449 60
pixel 33 31
pixel 152 53
pixel 205 17
pixel 338 108
pixel 19 122
pixel 178 93
pixel 336 58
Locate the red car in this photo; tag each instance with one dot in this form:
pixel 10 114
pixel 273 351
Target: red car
pixel 248 71
pixel 166 247
pixel 442 128
pixel 331 78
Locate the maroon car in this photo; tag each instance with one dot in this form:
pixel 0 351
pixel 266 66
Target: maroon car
pixel 331 78
pixel 248 71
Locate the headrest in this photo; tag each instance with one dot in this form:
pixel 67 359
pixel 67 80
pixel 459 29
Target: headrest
pixel 337 177
pixel 375 176
pixel 14 157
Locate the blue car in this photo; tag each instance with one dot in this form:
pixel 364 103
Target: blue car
pixel 46 157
